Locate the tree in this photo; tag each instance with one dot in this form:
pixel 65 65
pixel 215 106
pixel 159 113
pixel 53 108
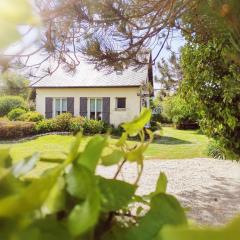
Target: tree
pixel 14 84
pixel 184 114
pixel 169 76
pixel 214 82
pixel 113 34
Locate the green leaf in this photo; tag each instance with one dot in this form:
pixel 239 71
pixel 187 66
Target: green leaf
pixel 122 140
pixel 161 186
pixel 112 158
pixel 5 158
pixel 47 229
pixel 135 126
pixel 32 197
pixel 84 216
pixel 12 14
pixel 228 232
pixel 80 181
pixel 137 154
pixel 92 152
pixel 165 210
pixel 56 198
pixel 10 185
pixel 26 165
pixel 115 194
pixel 73 153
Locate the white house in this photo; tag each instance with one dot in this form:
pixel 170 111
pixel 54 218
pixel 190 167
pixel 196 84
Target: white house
pixel 114 97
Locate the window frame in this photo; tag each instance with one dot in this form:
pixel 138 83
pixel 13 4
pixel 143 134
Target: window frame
pixel 95 107
pixel 61 105
pixel 116 104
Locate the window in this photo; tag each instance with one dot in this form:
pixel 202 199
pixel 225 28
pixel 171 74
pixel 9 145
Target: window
pixel 95 108
pixel 60 105
pixel 120 103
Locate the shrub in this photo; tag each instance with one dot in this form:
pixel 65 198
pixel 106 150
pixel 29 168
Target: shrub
pixel 215 85
pixel 117 131
pixel 16 114
pixel 183 114
pixel 46 125
pixel 76 124
pixel 91 126
pixel 8 103
pixel 62 122
pixel 31 117
pixel 215 150
pixel 17 129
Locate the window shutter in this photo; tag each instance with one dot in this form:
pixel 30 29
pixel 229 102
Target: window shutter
pixel 70 105
pixel 48 107
pixel 83 106
pixel 106 110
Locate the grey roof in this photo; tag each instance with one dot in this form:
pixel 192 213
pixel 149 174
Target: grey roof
pixel 87 76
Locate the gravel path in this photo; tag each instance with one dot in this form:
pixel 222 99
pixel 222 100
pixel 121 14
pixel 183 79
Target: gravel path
pixel 210 188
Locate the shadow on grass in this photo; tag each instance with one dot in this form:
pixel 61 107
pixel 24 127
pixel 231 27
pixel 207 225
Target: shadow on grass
pixel 170 141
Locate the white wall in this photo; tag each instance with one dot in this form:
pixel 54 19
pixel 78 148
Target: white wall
pixel 116 116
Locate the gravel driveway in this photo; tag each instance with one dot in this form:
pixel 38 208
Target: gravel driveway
pixel 210 188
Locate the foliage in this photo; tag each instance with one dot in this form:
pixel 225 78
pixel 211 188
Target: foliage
pixel 31 117
pixel 8 103
pixel 180 112
pixel 14 85
pixel 76 124
pixel 16 113
pixel 91 126
pixel 13 13
pixel 117 131
pixel 16 129
pixel 169 76
pixel 214 19
pixel 45 126
pixel 62 122
pixel 73 202
pixel 215 150
pixel 218 97
pixel 65 122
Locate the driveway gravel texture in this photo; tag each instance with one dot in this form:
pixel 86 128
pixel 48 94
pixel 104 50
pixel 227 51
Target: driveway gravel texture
pixel 208 188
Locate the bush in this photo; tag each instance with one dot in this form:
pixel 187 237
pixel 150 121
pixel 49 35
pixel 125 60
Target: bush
pixel 215 150
pixel 183 114
pixel 17 129
pixel 46 125
pixel 31 117
pixel 76 124
pixel 62 122
pixel 16 114
pixel 117 131
pixel 91 126
pixel 8 103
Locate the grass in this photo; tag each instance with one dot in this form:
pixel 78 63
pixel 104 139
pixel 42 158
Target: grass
pixel 174 144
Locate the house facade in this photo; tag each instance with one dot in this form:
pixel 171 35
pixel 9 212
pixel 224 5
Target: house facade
pixel 114 97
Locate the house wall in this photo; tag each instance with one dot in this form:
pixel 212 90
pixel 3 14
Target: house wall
pixel 116 116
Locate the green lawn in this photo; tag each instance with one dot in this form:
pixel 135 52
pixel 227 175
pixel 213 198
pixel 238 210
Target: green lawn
pixel 174 144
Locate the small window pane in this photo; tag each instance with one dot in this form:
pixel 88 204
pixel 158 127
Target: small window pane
pixel 121 102
pixel 99 105
pixel 92 105
pixel 57 106
pixel 64 105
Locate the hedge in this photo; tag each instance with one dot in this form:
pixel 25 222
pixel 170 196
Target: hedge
pixel 16 129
